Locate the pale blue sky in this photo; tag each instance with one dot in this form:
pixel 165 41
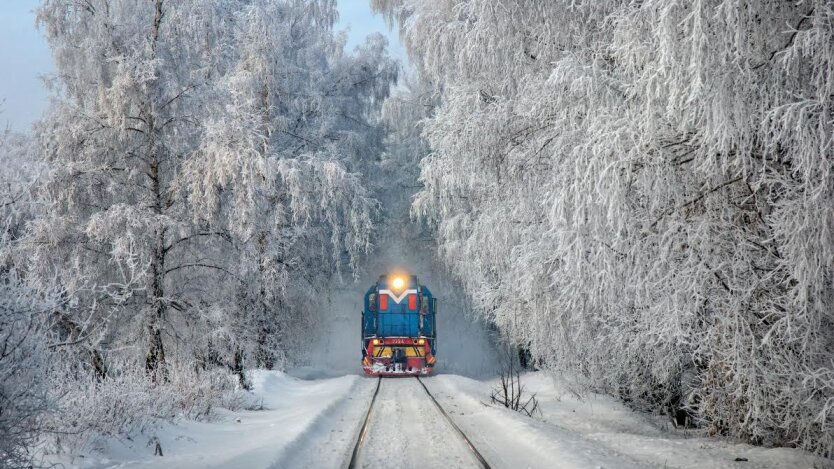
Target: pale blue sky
pixel 24 55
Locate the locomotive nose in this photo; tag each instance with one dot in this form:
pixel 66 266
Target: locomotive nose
pixel 398 326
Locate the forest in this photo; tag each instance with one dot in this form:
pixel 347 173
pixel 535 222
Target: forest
pixel 640 195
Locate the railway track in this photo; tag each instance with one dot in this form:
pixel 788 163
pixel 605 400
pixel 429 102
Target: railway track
pixel 363 431
pixel 457 429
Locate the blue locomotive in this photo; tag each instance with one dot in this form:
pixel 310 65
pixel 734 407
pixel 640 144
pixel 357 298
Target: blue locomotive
pixel 398 327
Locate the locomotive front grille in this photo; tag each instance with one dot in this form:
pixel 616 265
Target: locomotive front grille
pixel 388 351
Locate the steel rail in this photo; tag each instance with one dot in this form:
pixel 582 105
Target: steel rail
pixel 363 432
pixel 469 443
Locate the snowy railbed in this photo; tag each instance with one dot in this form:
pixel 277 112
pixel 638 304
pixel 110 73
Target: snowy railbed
pixel 313 421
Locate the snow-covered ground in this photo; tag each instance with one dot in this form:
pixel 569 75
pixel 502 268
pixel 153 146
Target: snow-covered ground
pixel 592 431
pixel 312 420
pixel 243 439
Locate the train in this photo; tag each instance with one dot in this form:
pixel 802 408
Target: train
pixel 399 334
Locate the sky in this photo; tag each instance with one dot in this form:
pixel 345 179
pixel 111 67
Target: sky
pixel 25 56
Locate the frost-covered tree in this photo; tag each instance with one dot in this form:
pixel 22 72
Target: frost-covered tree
pixel 24 386
pixel 17 183
pixel 24 312
pixel 115 139
pixel 404 113
pixel 641 191
pixel 203 177
pixel 280 165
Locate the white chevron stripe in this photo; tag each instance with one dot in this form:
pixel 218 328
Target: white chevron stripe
pixel 397 299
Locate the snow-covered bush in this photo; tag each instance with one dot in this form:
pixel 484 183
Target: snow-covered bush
pixel 641 192
pixel 24 314
pixel 127 403
pixel 24 385
pixel 510 392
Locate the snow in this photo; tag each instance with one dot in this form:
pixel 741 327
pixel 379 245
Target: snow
pixel 591 431
pixel 406 426
pixel 258 438
pixel 312 419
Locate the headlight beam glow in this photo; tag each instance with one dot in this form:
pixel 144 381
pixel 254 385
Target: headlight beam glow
pixel 397 283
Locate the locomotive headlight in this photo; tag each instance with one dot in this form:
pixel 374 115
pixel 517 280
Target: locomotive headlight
pixel 421 341
pixel 377 341
pixel 397 283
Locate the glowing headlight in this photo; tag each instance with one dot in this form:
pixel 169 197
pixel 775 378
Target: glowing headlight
pixel 397 283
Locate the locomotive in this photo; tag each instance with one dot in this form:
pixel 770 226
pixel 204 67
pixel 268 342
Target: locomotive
pixel 398 327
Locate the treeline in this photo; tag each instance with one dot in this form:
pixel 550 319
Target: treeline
pixel 641 193
pixel 199 178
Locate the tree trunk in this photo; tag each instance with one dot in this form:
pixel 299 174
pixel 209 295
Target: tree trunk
pixel 156 352
pixel 237 368
pixel 73 333
pixel 263 356
pixel 155 361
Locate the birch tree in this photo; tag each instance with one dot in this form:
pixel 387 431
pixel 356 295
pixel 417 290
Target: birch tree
pixel 283 166
pixel 203 181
